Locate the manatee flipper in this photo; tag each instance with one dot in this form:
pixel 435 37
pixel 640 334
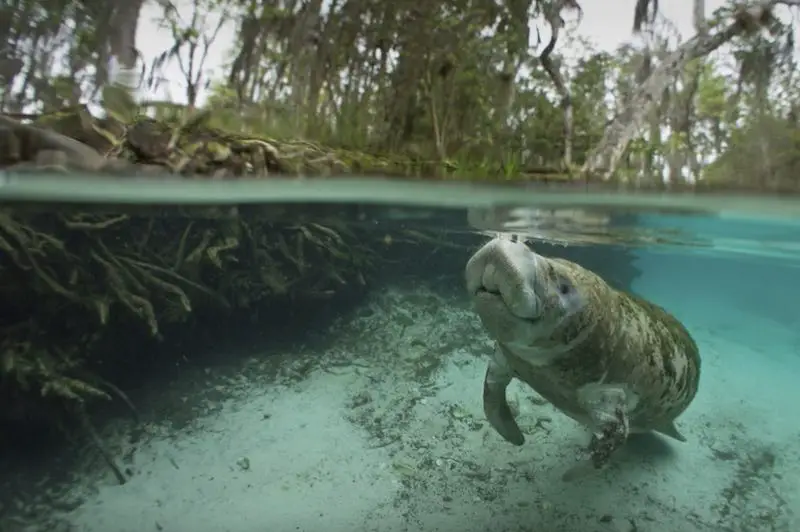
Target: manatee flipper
pixel 495 404
pixel 608 406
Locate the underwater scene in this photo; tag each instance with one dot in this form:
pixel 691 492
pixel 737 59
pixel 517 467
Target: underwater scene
pixel 394 266
pixel 565 361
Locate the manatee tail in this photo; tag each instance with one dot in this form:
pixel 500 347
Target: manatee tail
pixel 669 429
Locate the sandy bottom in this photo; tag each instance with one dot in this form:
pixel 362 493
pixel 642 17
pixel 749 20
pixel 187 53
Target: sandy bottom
pixel 383 430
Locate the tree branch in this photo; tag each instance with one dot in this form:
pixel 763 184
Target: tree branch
pixel 605 157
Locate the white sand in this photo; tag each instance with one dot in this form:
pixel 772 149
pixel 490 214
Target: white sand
pixel 386 432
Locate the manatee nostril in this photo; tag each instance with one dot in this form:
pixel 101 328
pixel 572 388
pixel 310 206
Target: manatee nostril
pixel 490 281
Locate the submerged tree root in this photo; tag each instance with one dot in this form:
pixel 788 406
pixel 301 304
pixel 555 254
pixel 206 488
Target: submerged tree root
pixel 88 427
pixel 88 269
pixel 74 276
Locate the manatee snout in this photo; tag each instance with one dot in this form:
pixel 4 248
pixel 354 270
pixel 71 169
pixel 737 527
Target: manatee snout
pixel 503 274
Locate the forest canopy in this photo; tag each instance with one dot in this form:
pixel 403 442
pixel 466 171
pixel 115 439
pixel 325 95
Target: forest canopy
pixel 481 87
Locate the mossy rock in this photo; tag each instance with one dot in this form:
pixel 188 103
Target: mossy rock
pixel 188 146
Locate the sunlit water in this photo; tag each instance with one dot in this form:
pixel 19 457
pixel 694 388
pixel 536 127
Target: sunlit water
pixel 361 410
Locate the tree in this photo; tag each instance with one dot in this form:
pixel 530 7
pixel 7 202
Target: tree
pixel 468 86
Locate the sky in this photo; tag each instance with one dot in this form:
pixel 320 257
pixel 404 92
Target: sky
pixel 606 23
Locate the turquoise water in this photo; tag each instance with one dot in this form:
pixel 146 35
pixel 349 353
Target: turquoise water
pixel 364 412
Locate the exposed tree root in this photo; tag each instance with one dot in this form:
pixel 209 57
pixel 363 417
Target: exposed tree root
pixel 93 226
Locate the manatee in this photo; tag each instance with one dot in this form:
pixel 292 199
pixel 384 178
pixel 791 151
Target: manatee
pixel 610 360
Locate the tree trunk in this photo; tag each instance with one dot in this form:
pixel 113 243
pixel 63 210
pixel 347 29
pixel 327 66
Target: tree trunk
pixel 605 157
pixel 553 71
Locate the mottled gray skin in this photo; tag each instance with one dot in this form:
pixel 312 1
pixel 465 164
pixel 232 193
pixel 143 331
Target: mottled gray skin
pixel 610 360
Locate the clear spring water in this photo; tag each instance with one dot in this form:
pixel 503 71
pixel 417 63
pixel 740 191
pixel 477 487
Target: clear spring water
pixel 368 416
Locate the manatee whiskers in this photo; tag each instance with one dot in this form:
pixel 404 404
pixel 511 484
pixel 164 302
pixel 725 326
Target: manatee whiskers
pixel 612 361
pixel 568 315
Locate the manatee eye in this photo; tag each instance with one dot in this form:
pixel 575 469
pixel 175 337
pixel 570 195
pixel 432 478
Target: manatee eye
pixel 564 287
pixel 569 296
